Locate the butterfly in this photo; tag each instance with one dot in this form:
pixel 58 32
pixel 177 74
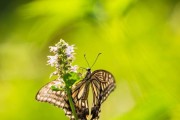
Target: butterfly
pixel 102 83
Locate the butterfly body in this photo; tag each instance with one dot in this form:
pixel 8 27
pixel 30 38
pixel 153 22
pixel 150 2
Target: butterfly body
pixel 102 83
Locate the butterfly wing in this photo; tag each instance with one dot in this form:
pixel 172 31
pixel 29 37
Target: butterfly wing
pixel 80 97
pixel 57 98
pixel 102 83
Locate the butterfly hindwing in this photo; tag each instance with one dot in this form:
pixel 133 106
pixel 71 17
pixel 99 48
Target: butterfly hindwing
pixel 57 98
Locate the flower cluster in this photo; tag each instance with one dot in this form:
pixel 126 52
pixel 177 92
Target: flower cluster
pixel 62 59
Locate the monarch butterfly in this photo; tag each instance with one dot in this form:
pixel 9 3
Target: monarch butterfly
pixel 102 83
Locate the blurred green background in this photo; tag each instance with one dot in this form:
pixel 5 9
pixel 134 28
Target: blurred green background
pixel 139 41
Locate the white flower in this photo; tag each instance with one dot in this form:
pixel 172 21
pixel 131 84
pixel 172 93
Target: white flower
pixel 52 60
pixel 62 59
pixel 54 73
pixel 74 68
pixel 69 50
pixel 59 83
pixel 62 42
pixel 70 56
pixel 53 49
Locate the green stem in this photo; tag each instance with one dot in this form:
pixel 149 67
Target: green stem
pixel 71 103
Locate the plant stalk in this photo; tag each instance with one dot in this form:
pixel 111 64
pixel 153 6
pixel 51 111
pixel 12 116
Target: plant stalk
pixel 71 103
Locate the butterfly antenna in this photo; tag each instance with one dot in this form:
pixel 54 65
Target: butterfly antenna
pixel 95 60
pixel 86 60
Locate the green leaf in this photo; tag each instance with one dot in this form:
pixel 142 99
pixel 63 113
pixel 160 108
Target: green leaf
pixel 75 76
pixel 70 78
pixel 55 88
pixel 70 83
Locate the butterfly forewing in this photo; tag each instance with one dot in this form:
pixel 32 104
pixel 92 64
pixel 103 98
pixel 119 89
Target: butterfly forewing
pixel 102 83
pixel 80 94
